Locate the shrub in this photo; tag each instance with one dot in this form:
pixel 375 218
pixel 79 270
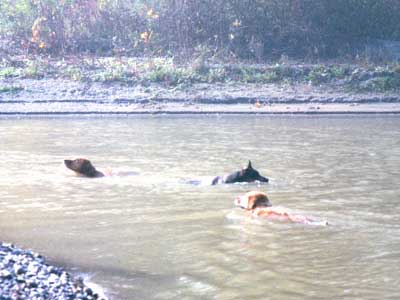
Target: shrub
pixel 247 29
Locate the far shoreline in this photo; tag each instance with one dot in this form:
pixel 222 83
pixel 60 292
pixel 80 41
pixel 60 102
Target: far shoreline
pixel 92 86
pixel 168 108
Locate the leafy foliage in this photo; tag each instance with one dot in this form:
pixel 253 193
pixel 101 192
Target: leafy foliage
pixel 244 28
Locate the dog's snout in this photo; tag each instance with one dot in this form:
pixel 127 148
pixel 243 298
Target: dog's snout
pixel 241 202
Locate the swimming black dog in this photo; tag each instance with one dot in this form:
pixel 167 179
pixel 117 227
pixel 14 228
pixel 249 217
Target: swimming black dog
pixel 83 167
pixel 244 175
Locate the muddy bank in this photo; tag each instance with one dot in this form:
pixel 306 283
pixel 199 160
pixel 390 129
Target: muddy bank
pixel 160 85
pixel 60 96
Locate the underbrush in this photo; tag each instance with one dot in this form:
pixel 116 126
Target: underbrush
pixel 168 72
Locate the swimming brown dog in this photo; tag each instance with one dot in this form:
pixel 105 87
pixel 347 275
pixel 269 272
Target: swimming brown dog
pixel 258 204
pixel 83 167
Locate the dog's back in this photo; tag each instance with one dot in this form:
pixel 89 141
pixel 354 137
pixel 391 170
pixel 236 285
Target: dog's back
pixel 248 174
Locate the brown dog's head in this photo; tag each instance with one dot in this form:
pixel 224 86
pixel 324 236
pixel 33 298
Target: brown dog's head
pixel 252 199
pixel 82 166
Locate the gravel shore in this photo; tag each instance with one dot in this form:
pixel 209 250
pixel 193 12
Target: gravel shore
pixel 63 97
pixel 26 275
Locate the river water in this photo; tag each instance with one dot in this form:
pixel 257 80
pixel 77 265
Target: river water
pixel 153 236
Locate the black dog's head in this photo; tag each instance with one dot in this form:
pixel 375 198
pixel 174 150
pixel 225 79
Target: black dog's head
pixel 247 174
pixel 82 166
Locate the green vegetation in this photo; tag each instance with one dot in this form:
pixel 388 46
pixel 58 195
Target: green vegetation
pixel 8 72
pixel 323 74
pixel 165 71
pixel 381 84
pixel 34 69
pixel 178 43
pixel 257 30
pixel 10 89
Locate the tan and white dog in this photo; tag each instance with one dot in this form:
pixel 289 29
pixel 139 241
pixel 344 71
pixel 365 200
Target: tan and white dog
pixel 258 204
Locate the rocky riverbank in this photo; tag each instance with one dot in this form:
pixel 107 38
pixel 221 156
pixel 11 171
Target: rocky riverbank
pixel 26 275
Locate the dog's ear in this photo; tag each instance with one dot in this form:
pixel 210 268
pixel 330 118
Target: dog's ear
pixel 250 203
pixel 249 165
pixel 261 202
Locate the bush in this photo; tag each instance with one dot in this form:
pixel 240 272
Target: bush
pixel 247 29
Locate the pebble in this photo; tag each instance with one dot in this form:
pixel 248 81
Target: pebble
pixel 26 275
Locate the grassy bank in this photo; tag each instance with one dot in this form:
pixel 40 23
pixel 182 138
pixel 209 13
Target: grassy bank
pixel 165 71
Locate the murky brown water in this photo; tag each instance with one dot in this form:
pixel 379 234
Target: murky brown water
pixel 151 236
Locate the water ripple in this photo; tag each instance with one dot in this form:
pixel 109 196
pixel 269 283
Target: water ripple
pixel 151 236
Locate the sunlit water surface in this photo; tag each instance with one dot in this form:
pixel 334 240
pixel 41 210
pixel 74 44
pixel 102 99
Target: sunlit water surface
pixel 152 236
